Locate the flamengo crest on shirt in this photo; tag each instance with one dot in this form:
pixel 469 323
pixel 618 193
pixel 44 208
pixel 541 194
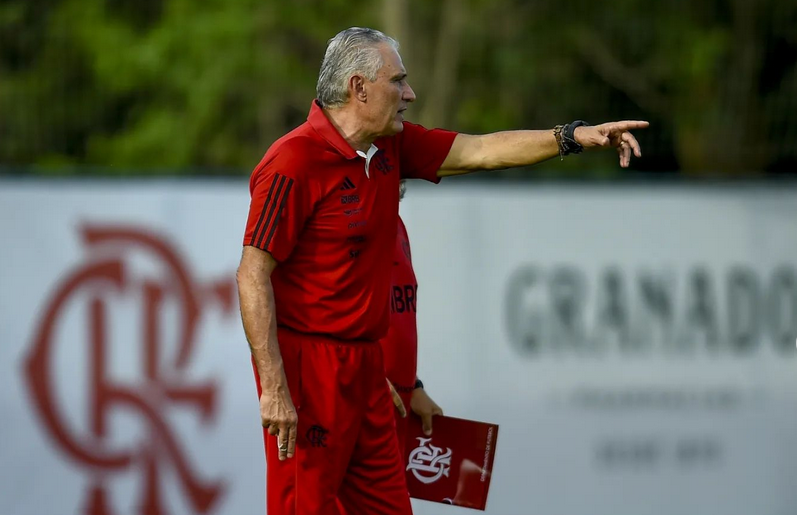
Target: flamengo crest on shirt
pixel 428 464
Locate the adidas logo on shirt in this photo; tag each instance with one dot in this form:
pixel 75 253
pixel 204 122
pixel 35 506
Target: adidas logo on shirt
pixel 347 184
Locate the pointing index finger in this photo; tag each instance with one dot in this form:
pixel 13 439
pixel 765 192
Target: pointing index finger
pixel 628 125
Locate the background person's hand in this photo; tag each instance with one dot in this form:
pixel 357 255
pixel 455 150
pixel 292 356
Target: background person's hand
pixel 278 415
pixel 397 402
pixel 612 134
pixel 423 406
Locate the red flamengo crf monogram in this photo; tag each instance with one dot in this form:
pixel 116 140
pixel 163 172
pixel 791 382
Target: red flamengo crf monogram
pixel 109 275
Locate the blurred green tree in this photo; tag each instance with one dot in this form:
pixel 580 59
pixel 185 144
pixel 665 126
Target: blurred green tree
pixel 204 87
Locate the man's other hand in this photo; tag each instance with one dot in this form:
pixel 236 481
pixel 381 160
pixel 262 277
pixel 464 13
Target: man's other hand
pixel 278 415
pixel 423 406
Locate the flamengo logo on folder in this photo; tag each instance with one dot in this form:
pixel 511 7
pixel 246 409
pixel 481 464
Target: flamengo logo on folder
pixel 458 470
pixel 428 464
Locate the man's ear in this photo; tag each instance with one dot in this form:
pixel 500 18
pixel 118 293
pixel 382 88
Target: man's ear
pixel 357 88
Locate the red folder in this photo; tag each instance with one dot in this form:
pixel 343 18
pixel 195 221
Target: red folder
pixel 454 464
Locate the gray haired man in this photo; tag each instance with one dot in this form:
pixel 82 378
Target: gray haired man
pixel 315 274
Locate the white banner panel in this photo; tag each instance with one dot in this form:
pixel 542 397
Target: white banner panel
pixel 635 345
pixel 126 386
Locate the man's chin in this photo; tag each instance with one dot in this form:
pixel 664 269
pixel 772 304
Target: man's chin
pixel 392 129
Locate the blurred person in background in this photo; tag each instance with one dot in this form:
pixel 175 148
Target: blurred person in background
pixel 316 270
pixel 400 345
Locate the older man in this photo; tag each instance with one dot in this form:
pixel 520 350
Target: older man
pixel 315 274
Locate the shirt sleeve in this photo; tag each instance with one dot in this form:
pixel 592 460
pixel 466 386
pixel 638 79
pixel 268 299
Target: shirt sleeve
pixel 422 151
pixel 280 206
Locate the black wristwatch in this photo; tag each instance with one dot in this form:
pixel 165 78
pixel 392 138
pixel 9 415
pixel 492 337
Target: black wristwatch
pixel 571 146
pixel 418 384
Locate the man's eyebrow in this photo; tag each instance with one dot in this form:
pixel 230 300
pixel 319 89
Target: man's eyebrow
pixel 400 76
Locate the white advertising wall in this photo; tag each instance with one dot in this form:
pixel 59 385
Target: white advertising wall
pixel 635 344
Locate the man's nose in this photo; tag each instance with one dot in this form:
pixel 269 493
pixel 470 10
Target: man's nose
pixel 409 94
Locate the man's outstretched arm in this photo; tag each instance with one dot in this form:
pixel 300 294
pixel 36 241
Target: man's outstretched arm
pixel 259 317
pixel 507 149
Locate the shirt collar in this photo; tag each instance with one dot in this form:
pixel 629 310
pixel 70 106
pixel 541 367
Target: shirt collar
pixel 371 153
pixel 319 121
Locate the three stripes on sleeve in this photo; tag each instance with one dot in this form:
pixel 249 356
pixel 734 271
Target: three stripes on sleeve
pixel 272 211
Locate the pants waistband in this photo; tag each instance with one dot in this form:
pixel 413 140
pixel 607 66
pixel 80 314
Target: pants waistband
pixel 321 338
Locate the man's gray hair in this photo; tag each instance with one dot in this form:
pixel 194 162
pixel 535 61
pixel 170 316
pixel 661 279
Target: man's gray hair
pixel 350 52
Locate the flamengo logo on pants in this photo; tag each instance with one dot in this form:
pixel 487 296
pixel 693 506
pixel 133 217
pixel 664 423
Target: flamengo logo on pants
pixel 317 436
pixel 428 464
pixel 162 291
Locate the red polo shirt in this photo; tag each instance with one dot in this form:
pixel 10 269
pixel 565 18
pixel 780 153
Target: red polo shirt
pixel 328 215
pixel 400 346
